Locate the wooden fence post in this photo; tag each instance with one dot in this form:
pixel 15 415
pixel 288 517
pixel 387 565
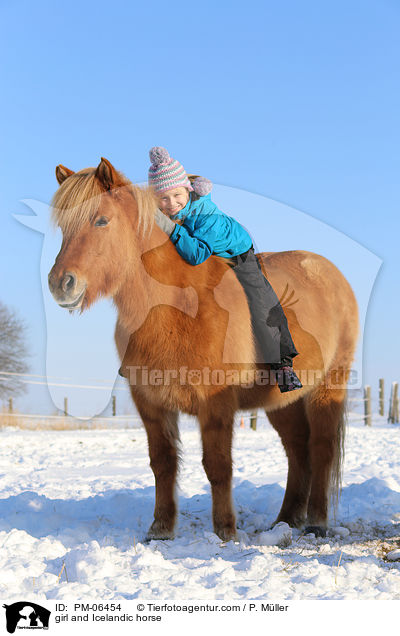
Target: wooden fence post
pixel 253 420
pixel 381 396
pixel 114 405
pixel 367 406
pixel 10 405
pixel 65 406
pixel 392 403
pixel 393 417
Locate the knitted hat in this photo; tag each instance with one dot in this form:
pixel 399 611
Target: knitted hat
pixel 166 173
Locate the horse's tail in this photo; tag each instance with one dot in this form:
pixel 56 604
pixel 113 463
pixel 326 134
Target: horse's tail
pixel 337 467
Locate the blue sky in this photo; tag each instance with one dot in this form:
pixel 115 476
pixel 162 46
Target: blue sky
pixel 295 102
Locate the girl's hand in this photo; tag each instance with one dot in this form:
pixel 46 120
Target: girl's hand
pixel 164 222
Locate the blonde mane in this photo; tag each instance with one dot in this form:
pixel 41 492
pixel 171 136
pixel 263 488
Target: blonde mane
pixel 77 201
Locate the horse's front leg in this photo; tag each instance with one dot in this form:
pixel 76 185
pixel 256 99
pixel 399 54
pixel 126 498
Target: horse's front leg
pixel 216 424
pixel 163 439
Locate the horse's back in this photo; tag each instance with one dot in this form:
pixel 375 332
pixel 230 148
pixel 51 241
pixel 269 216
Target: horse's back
pixel 317 299
pixel 307 272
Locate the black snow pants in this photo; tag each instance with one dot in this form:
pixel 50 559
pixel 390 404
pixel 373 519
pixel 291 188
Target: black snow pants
pixel 268 319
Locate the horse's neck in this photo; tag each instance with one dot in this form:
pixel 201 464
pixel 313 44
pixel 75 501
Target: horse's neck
pixel 172 311
pixel 156 276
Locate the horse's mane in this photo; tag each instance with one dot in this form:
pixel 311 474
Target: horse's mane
pixel 77 200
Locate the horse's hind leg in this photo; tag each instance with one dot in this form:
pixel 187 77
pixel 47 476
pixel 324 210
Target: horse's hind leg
pixel 163 438
pixel 216 423
pixel 325 412
pixel 292 426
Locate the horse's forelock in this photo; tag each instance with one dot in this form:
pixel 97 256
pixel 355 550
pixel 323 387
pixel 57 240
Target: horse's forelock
pixel 78 199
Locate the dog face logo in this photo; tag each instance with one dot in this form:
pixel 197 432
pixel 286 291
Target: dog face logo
pixel 26 615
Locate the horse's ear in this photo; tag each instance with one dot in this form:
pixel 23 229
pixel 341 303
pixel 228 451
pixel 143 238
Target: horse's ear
pixel 63 173
pixel 106 174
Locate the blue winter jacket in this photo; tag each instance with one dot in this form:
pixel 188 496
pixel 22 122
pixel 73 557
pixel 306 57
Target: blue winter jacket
pixel 206 230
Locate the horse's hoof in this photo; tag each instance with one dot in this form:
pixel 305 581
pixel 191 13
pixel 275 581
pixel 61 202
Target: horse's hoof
pixel 226 534
pixel 158 532
pixel 152 536
pixel 319 531
pixel 293 522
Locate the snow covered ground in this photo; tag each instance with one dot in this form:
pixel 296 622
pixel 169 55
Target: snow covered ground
pixel 75 507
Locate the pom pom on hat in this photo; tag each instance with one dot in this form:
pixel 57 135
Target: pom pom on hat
pixel 202 186
pixel 159 155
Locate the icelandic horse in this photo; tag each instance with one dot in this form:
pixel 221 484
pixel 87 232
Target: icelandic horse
pixel 190 328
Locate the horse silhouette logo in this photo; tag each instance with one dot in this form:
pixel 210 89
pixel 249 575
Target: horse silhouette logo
pixel 162 287
pixel 26 615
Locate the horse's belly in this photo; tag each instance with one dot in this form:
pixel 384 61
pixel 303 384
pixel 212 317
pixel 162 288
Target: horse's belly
pixel 174 397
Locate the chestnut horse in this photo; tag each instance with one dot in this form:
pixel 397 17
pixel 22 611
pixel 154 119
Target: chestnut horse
pixel 185 342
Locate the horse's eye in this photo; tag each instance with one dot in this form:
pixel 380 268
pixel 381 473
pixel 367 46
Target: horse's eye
pixel 101 221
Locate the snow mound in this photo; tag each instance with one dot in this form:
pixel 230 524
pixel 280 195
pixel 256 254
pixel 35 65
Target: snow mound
pixel 280 535
pixel 394 555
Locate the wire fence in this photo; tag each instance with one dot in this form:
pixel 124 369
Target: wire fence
pixel 364 407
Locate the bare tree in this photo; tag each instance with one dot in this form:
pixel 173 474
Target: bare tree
pixel 13 353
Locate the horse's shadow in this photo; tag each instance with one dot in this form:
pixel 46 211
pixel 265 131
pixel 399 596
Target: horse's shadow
pixel 120 518
pixel 113 513
pixel 75 521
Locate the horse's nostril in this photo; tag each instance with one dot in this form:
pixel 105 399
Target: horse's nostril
pixel 68 282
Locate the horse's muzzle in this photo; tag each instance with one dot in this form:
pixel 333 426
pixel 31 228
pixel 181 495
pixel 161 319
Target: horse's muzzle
pixel 67 290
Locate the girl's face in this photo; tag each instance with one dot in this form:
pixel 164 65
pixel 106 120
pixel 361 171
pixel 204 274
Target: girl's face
pixel 173 201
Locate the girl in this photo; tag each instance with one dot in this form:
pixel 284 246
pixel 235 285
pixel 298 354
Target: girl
pixel 205 231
